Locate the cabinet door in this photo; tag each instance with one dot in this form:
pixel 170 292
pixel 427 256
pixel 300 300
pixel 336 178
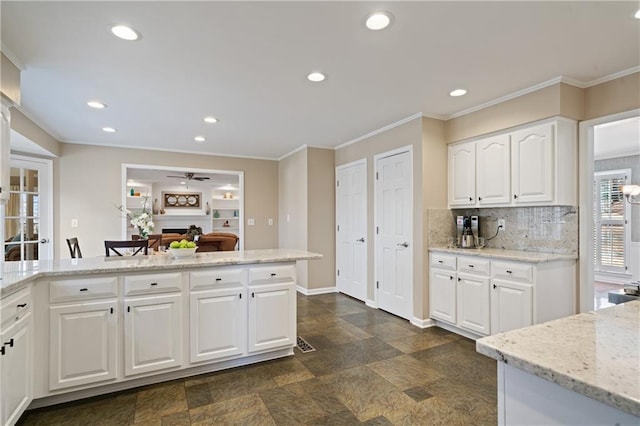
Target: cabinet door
pixel 218 324
pixel 153 334
pixel 493 173
pixel 533 171
pixel 15 371
pixel 442 295
pixel 473 303
pixel 511 306
pixel 82 344
pixel 462 174
pixel 272 316
pixel 5 134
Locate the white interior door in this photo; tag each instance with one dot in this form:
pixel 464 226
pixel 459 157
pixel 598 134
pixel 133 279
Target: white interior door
pixel 351 229
pixel 394 232
pixel 28 227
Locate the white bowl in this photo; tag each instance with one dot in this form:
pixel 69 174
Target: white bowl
pixel 181 253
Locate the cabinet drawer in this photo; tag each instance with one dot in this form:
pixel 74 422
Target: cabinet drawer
pixel 272 274
pixel 443 261
pixel 14 307
pixel 83 288
pixel 474 265
pixel 512 271
pixel 152 283
pixel 211 278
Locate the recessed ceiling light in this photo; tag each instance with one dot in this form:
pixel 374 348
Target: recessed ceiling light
pixel 109 129
pixel 125 33
pixel 316 77
pixel 378 21
pixel 199 139
pixel 210 120
pixel 637 15
pixel 96 104
pixel 458 92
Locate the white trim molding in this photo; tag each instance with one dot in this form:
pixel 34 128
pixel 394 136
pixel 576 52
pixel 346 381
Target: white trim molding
pixel 423 323
pixel 380 130
pixel 314 291
pixel 371 303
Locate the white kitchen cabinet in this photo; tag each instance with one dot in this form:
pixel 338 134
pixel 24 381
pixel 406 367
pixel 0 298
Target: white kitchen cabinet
pixel 462 174
pixel 152 333
pixel 15 359
pixel 83 345
pixel 533 171
pixel 442 295
pixel 218 324
pixel 272 316
pixel 473 303
pixel 511 305
pixel 493 173
pixel 533 165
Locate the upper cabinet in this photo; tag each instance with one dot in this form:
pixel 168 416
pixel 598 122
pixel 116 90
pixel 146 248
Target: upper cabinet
pixel 531 166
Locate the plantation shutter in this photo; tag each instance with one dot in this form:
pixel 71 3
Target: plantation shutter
pixel 610 222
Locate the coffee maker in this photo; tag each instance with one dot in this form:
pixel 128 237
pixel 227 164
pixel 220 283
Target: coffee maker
pixel 467 231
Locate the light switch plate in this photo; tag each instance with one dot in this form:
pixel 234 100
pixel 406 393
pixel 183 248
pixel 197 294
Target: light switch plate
pixel 270 222
pixel 251 221
pixel 74 223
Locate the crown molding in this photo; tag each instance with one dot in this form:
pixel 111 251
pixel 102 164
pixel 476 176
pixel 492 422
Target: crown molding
pixel 300 148
pixel 613 76
pixel 380 130
pixel 12 57
pixel 38 123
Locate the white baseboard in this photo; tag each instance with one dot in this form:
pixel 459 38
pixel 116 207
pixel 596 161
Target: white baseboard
pixel 612 278
pixel 314 291
pixel 371 303
pixel 422 323
pixel 454 329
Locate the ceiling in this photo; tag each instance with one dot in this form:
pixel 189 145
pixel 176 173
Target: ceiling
pixel 617 139
pixel 246 63
pixel 219 182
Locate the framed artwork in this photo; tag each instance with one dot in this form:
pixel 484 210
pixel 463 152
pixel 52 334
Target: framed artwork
pixel 181 199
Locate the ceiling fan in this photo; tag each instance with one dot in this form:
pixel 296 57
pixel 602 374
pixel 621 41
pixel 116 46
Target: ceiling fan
pixel 191 176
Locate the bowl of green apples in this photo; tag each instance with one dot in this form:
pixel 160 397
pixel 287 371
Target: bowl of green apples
pixel 182 249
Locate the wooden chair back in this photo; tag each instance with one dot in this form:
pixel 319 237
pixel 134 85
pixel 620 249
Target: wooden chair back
pixel 141 246
pixel 154 240
pixel 74 248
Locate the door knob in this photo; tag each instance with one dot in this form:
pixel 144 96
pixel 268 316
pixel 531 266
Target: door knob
pixel 405 244
pixel 44 240
pixel 361 240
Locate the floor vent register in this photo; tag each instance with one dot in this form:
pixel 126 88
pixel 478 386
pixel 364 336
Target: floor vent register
pixel 304 346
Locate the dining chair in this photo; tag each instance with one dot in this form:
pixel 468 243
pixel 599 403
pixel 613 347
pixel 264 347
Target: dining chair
pixel 140 246
pixel 74 248
pixel 154 240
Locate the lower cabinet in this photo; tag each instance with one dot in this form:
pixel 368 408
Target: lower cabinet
pixel 442 295
pixel 152 333
pixel 272 316
pixel 218 324
pixel 82 343
pixel 15 370
pixel 511 306
pixel 473 303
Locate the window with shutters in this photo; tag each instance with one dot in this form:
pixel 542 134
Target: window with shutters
pixel 610 211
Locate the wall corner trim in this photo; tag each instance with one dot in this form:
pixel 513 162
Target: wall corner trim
pixel 314 291
pixel 423 323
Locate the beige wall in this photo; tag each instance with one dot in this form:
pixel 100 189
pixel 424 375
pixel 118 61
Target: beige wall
pixel 619 95
pixel 9 80
pixel 27 128
pixel 293 207
pixel 88 185
pixel 321 224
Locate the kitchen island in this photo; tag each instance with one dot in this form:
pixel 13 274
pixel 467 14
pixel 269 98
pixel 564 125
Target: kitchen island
pixel 83 327
pixel 583 369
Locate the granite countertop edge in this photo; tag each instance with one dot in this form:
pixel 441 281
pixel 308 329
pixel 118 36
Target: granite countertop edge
pixel 504 254
pixel 497 347
pixel 15 281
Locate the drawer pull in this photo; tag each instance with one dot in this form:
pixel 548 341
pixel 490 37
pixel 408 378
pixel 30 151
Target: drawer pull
pixel 22 305
pixel 10 343
pixel 450 277
pixel 153 284
pixel 1 350
pixel 253 294
pixel 218 279
pixel 84 289
pixel 470 266
pixel 509 272
pixel 273 275
pixel 459 279
pixel 240 295
pixel 495 286
pixel 440 261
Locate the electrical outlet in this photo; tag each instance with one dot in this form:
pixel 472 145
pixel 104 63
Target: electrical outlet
pixel 501 224
pixel 270 222
pixel 74 223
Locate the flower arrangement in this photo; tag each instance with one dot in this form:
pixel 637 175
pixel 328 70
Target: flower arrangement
pixel 143 220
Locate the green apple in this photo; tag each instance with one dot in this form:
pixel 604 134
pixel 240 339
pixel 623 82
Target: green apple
pixel 191 244
pixel 183 244
pixel 174 244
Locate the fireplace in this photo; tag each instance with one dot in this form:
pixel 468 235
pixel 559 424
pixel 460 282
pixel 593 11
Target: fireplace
pixel 174 230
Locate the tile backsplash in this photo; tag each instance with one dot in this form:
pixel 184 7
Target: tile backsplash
pixel 543 229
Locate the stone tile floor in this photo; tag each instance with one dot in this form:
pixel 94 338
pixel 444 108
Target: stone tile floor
pixel 369 367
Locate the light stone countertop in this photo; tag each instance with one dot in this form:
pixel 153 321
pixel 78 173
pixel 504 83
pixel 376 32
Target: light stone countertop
pixel 516 255
pixel 17 275
pixel 596 354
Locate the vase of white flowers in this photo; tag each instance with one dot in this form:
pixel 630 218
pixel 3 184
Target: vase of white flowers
pixel 140 218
